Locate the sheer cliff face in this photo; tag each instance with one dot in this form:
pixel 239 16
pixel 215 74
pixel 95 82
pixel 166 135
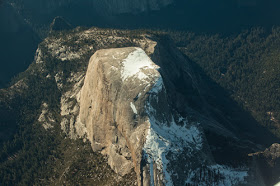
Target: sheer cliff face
pixel 112 104
pixel 129 117
pixel 126 112
pixel 109 106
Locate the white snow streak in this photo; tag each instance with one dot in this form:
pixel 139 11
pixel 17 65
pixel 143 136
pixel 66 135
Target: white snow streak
pixel 135 62
pixel 133 108
pixel 162 138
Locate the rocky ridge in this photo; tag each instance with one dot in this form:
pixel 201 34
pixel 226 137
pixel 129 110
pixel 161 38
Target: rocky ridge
pixel 127 113
pixel 120 143
pixel 267 164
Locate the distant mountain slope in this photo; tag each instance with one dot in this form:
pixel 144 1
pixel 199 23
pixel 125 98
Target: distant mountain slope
pixel 199 16
pixel 18 43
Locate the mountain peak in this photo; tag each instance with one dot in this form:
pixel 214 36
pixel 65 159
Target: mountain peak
pixel 59 24
pixel 127 111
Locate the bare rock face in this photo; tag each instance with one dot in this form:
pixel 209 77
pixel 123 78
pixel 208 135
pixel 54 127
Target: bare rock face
pixel 127 107
pixel 267 164
pixel 112 104
pixel 140 107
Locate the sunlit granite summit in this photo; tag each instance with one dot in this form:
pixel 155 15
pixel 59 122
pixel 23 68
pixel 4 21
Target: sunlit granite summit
pixel 127 113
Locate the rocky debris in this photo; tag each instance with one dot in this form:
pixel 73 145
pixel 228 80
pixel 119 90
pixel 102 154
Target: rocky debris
pixel 267 164
pixel 46 117
pixel 272 153
pixel 70 106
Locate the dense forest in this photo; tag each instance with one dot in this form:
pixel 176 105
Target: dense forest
pixel 247 65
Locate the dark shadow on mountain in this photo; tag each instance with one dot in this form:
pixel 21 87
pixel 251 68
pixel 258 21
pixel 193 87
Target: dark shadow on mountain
pixel 60 24
pixel 230 113
pixel 204 16
pixel 251 136
pixel 233 132
pixel 7 124
pixel 201 16
pixel 18 44
pixel 267 164
pixel 8 119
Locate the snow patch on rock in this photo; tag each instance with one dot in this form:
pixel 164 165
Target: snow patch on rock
pixel 165 137
pixel 135 63
pixel 133 108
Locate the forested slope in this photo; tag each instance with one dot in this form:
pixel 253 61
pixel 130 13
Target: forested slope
pixel 247 65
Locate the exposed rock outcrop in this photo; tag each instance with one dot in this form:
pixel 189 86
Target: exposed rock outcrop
pixel 144 107
pixel 267 164
pixel 129 115
pixel 46 117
